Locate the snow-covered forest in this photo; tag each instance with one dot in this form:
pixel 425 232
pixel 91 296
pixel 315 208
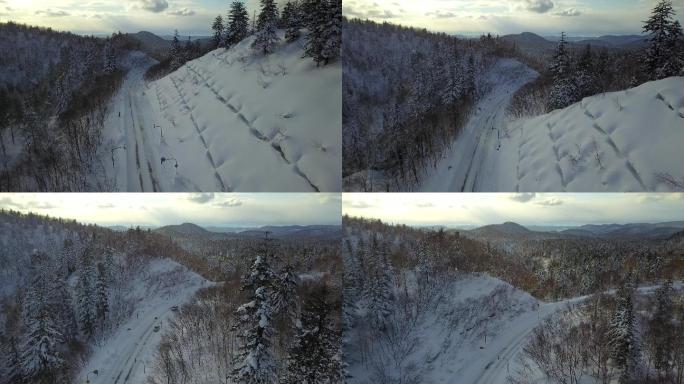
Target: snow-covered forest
pixel 54 92
pixel 116 115
pixel 433 112
pixel 85 303
pixel 424 305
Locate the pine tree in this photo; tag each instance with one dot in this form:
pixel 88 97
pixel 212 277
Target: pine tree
pixel 254 363
pixel 176 52
pixel 85 292
pixel 309 10
pixel 323 42
pixel 40 338
pixel 585 81
pixel 315 354
pixel 109 59
pixel 217 27
pixel 292 21
pixel 560 64
pixel 102 296
pixel 266 36
pixel 624 339
pixel 285 298
pixel 379 290
pixel 664 56
pixel 12 362
pixel 238 23
pixel 470 87
pixel 662 329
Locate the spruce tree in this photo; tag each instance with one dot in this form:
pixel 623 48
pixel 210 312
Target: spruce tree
pixel 40 337
pixel 323 41
pixel 662 329
pixel 102 296
pixel 254 363
pixel 315 354
pixel 664 56
pixel 624 339
pixel 266 36
pixel 176 52
pixel 217 27
pixel 292 21
pixel 85 293
pixel 238 23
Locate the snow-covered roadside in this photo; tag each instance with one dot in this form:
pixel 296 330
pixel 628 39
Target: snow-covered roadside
pixel 468 164
pixel 621 141
pixel 126 356
pixel 231 120
pixel 474 334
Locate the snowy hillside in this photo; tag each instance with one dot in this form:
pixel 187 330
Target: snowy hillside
pixel 128 354
pixel 621 141
pixel 472 331
pixel 229 121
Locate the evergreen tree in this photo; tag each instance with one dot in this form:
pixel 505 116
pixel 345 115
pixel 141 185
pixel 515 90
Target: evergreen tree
pixel 379 291
pixel 470 87
pixel 560 63
pixel 85 292
pixel 315 355
pixel 39 348
pixel 292 21
pixel 109 59
pixel 662 329
pixel 285 298
pixel 266 37
pixel 176 52
pixel 12 362
pixel 325 24
pixel 238 27
pixel 585 81
pixel 309 12
pixel 664 55
pixel 254 363
pixel 217 27
pixel 102 296
pixel 624 338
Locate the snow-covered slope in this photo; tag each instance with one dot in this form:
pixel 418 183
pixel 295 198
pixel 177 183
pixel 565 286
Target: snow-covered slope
pixel 477 324
pixel 622 141
pixel 232 121
pixel 127 355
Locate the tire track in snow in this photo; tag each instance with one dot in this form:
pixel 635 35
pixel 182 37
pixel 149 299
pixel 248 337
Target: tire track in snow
pixel 250 125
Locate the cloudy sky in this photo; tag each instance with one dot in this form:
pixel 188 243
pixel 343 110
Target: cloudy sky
pixel 544 17
pixel 459 209
pixel 190 17
pixel 228 210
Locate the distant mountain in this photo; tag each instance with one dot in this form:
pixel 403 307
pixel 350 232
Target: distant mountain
pixel 151 44
pixel 507 229
pixel 529 42
pixel 644 230
pixel 301 231
pixel 185 229
pixel 277 232
pixel 528 38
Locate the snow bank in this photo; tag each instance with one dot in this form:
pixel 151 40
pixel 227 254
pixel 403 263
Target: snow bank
pixel 621 142
pixel 234 121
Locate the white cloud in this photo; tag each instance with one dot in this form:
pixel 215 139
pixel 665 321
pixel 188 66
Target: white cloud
pixel 538 6
pixel 569 12
pixel 182 12
pixel 154 5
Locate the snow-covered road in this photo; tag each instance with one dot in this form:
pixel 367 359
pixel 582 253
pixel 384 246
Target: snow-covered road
pixel 501 361
pixel 127 355
pixel 470 156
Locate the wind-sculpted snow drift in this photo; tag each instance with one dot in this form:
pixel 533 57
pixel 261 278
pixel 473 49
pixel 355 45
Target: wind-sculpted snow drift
pixel 619 141
pixel 232 120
